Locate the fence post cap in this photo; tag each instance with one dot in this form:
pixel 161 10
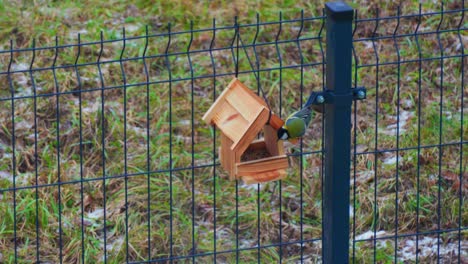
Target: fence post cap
pixel 339 11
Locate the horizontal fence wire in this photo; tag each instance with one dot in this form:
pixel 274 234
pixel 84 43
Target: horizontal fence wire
pixel 105 158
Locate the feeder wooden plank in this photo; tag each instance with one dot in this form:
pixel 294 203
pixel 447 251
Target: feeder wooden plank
pixel 262 165
pixel 253 95
pixel 252 131
pixel 217 106
pixel 266 176
pixel 245 103
pixel 237 89
pixel 227 156
pixel 221 158
pixel 276 122
pixel 231 123
pixel 237 159
pixel 273 145
pixel 257 144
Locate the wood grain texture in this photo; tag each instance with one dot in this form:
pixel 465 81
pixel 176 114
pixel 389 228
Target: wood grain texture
pixel 241 115
pixel 217 106
pixel 231 123
pixel 272 143
pixel 245 103
pixel 276 122
pixel 229 159
pixel 266 176
pixel 252 132
pixel 257 144
pixel 261 165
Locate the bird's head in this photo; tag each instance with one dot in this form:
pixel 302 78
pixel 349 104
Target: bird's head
pixel 283 133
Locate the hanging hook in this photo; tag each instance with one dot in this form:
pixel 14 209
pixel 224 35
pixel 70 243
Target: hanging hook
pixel 79 49
pixel 12 90
pixel 56 52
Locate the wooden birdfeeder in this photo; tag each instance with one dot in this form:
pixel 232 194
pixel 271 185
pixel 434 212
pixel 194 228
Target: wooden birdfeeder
pixel 241 115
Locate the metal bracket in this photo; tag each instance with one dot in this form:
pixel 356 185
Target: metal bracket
pixel 328 97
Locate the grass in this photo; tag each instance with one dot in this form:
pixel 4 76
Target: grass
pixel 152 203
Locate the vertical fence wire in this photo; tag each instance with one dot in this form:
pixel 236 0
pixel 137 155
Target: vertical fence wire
pixel 103 142
pixel 418 174
pixel 124 81
pixel 376 133
pixel 212 60
pixel 80 120
pixel 397 153
pixel 301 147
pixel 441 105
pixel 57 118
pixel 192 136
pixel 460 179
pixel 13 143
pixel 36 163
pixel 280 183
pixel 168 66
pixel 148 144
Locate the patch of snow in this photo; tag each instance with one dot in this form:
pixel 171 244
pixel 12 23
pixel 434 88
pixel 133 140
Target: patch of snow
pixel 312 258
pixel 27 91
pixel 98 213
pixel 115 244
pixel 33 136
pixel 428 247
pixel 20 66
pixel 74 34
pixel 448 114
pixel 131 27
pixel 251 186
pixel 23 178
pixel 138 130
pixel 407 103
pixel 391 130
pixel 370 235
pixel 390 160
pixel 223 234
pixel 21 79
pixel 351 211
pixel 363 177
pixel 247 243
pixel 368 44
pixel 23 125
pixel 184 122
pixel 91 108
pixel 6 175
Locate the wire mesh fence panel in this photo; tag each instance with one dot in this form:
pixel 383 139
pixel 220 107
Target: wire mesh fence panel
pixel 105 156
pixel 410 138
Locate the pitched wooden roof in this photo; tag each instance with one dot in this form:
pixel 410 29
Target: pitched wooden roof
pixel 240 114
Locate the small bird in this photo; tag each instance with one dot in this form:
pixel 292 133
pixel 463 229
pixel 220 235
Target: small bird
pixel 296 124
